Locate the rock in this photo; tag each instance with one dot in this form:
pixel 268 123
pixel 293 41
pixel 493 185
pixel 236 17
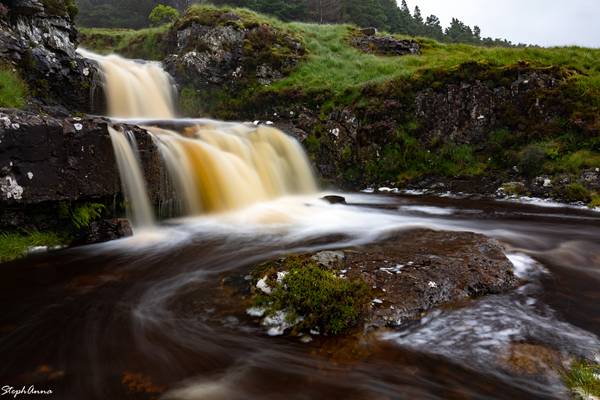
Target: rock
pixel 328 258
pixel 369 42
pixel 211 54
pixel 331 199
pixel 411 273
pixel 429 269
pixel 369 31
pixel 41 43
pixel 106 230
pixel 46 160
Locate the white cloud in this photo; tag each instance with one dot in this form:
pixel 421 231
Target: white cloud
pixel 543 22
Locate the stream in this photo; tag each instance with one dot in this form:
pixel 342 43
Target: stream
pixel 143 317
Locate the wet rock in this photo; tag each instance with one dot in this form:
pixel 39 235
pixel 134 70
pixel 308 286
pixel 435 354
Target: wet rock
pixel 334 199
pixel 106 230
pixel 369 42
pixel 41 44
pixel 328 258
pixel 46 160
pixel 417 271
pixel 412 273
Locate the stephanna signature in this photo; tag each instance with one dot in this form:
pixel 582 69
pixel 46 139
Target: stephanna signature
pixel 15 392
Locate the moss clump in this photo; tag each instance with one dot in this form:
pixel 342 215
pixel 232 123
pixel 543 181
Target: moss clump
pixel 576 192
pixel 16 245
pixel 583 378
pixel 595 201
pixel 13 89
pixel 85 214
pixel 331 304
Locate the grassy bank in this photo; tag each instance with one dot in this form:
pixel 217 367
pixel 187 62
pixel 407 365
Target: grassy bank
pixel 16 245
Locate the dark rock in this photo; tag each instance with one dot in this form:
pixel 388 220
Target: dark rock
pixel 46 160
pixel 369 31
pixel 42 46
pixel 105 230
pixel 416 271
pixel 369 42
pixel 334 199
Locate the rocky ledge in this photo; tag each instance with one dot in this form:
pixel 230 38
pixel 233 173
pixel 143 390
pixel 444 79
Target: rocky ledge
pixel 47 161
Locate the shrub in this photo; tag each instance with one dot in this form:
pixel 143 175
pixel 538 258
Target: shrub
pixel 575 192
pixel 162 14
pixel 531 162
pixel 583 378
pixel 13 89
pixel 332 304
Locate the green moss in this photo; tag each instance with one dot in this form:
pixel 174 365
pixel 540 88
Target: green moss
pixel 312 144
pixel 514 189
pixel 531 160
pixel 333 305
pixel 190 101
pixel 583 378
pixel 82 216
pixel 575 162
pixel 16 245
pixel 595 200
pixel 13 89
pixel 575 192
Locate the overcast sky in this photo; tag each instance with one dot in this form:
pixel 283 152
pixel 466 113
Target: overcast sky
pixel 542 22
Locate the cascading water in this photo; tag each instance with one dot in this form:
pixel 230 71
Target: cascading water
pixel 213 166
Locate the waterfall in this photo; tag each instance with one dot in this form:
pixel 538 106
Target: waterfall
pixel 212 166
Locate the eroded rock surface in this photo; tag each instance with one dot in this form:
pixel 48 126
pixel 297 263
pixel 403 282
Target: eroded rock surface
pixel 41 42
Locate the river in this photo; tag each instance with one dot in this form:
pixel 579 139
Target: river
pixel 147 316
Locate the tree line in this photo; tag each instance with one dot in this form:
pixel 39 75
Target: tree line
pixel 385 15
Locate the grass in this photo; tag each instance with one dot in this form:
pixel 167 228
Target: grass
pixel 333 305
pixel 583 377
pixel 333 64
pixel 13 90
pixel 84 215
pixel 143 43
pixel 16 245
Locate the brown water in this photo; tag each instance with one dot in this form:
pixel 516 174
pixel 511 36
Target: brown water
pixel 151 317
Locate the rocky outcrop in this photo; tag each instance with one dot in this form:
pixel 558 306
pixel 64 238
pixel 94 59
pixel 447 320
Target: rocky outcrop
pixel 368 41
pixel 408 274
pixel 40 40
pixel 46 160
pixel 217 50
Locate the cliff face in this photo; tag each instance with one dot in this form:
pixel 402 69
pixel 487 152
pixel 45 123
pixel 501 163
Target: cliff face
pixel 39 39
